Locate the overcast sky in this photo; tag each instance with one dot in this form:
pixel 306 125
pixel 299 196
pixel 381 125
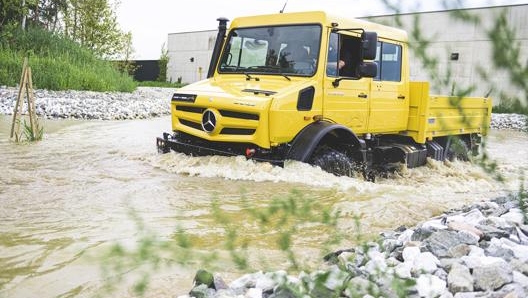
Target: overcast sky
pixel 151 21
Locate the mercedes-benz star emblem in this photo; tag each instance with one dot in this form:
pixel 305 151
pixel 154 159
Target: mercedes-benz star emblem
pixel 208 121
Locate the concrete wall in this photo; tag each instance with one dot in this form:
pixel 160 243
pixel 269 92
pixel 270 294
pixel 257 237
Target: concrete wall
pixel 472 43
pixel 447 34
pixel 189 55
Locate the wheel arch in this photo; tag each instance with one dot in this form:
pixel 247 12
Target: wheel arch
pixel 307 140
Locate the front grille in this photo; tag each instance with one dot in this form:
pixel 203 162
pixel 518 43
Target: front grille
pixel 191 124
pixel 224 113
pixel 189 109
pixel 237 131
pixel 239 115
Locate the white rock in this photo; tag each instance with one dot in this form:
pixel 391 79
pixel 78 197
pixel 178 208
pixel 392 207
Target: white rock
pixel 471 236
pixel 520 278
pixel 406 236
pixel 266 282
pixel 514 216
pixel 446 294
pixel 410 253
pixel 425 262
pixel 490 205
pixel 253 293
pixel 430 286
pixel 336 278
pixel 520 251
pixel 403 270
pixel 376 263
pixel 474 261
pixel 476 251
pixel 435 224
pixel 499 222
pixel 248 280
pixel 346 257
pixel 473 217
pixel 522 237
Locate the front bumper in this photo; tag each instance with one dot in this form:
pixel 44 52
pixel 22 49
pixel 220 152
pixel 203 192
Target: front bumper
pixel 203 148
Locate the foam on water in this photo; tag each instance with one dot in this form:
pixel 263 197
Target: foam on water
pixel 240 168
pixel 436 178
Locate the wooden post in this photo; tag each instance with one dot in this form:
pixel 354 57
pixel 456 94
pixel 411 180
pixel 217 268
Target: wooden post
pixel 31 102
pixel 26 88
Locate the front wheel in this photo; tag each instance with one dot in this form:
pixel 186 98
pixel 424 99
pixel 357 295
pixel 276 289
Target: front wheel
pixel 333 161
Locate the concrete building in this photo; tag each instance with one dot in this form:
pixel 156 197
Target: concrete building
pixel 462 48
pixel 189 55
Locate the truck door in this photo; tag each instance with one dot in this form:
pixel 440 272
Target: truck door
pixel 346 99
pixel 389 103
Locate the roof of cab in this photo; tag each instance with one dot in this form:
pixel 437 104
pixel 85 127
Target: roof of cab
pixel 321 17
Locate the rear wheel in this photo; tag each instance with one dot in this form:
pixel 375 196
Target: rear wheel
pixel 458 149
pixel 334 161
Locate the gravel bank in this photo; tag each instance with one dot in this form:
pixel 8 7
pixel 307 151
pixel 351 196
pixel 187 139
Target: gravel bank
pixel 145 102
pixel 478 251
pixel 509 121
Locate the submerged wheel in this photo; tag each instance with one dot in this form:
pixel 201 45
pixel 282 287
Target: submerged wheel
pixel 333 161
pixel 458 149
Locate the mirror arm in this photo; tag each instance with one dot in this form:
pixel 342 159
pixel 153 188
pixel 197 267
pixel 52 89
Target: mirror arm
pixel 335 83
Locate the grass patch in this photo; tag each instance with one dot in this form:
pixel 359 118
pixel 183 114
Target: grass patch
pixel 58 64
pixel 159 84
pixel 510 106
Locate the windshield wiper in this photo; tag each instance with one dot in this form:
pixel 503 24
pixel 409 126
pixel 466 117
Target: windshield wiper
pixel 286 76
pixel 275 69
pixel 249 77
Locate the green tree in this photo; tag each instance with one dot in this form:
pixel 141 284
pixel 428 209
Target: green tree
pixel 42 13
pixel 46 13
pixel 125 63
pixel 11 13
pixel 94 25
pixel 163 62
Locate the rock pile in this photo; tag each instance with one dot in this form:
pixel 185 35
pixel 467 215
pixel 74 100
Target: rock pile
pixel 479 251
pixel 509 121
pixel 145 102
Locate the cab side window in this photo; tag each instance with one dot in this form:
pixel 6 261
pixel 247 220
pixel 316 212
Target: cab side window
pixel 389 60
pixel 343 55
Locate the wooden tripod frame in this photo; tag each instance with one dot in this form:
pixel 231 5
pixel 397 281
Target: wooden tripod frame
pixel 26 89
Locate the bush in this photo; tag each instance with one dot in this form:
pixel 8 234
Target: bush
pixel 510 106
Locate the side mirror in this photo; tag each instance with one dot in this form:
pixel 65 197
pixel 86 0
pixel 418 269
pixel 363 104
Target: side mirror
pixel 370 44
pixel 368 70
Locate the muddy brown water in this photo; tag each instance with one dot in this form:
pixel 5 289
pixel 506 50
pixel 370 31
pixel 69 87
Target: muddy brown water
pixel 65 201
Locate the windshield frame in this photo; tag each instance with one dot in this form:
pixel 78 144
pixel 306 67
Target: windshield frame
pixel 241 53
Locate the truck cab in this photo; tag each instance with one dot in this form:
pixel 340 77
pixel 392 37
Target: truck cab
pixel 330 91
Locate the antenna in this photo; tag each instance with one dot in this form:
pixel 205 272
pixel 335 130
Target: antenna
pixel 282 10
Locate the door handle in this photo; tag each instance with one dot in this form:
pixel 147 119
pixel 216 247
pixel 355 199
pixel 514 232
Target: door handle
pixel 362 95
pixel 401 96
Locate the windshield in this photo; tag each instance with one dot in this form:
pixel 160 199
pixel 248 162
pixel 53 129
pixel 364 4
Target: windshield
pixel 286 50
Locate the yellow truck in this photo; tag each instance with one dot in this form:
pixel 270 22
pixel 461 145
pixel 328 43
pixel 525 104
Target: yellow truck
pixel 329 91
